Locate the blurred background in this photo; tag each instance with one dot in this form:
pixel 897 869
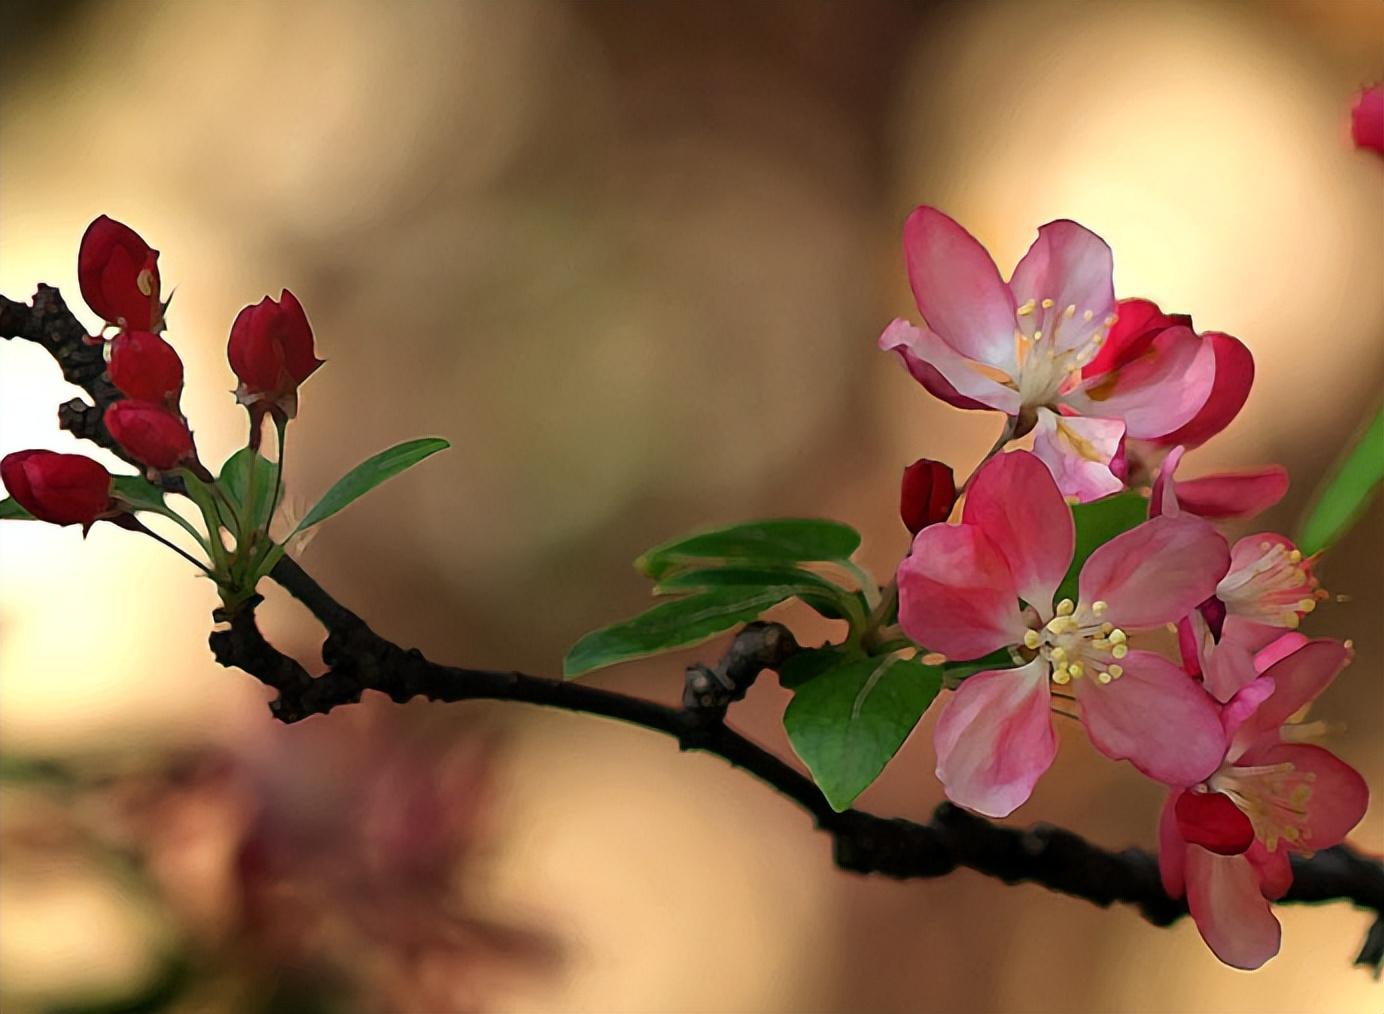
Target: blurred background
pixel 631 259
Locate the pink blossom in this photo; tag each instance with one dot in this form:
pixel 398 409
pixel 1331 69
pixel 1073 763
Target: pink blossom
pixel 1036 341
pixel 1242 494
pixel 960 592
pixel 1225 842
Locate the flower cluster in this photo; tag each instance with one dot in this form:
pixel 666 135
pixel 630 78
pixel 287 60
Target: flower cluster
pixel 271 353
pixel 1114 392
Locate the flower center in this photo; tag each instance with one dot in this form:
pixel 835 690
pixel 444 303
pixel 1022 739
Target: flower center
pixel 1051 347
pixel 1077 643
pixel 1275 587
pixel 1273 796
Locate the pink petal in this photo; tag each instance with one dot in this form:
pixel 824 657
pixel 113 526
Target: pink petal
pixel 1071 266
pixel 1242 706
pixel 1234 494
pixel 956 594
pixel 1298 679
pixel 1138 322
pixel 1211 820
pixel 1227 665
pixel 995 739
pixel 945 372
pixel 1156 393
pixel 1367 119
pixel 1273 868
pixel 1338 796
pixel 1163 498
pixel 1079 452
pixel 1156 573
pixel 1234 375
pixel 1231 913
pixel 1156 717
pixel 1279 649
pixel 1015 502
pixel 1172 849
pixel 959 289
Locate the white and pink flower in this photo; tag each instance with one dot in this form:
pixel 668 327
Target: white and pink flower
pixel 960 593
pixel 1224 843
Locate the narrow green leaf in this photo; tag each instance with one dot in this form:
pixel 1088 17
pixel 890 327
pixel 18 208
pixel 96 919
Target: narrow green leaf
pixel 777 540
pixel 672 625
pixel 1341 501
pixel 369 474
pixel 234 480
pixel 1096 524
pixel 140 494
pixel 847 723
pixel 832 601
pixel 10 510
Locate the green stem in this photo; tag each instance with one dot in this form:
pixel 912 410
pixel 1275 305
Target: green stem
pixel 138 526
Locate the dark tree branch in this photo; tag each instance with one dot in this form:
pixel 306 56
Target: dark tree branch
pixel 361 660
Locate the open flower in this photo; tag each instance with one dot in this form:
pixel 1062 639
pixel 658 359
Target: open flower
pixel 1225 842
pixel 119 275
pixel 64 489
pixel 1034 342
pixel 960 592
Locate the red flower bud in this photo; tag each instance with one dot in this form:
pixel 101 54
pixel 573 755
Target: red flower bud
pixel 119 275
pixel 271 353
pixel 145 367
pixel 150 433
pixel 929 491
pixel 65 489
pixel 1367 119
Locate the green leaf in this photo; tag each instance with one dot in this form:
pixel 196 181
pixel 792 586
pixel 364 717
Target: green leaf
pixel 832 601
pixel 808 665
pixel 234 480
pixel 672 625
pixel 140 494
pixel 10 510
pixel 777 540
pixel 847 723
pixel 1341 501
pixel 369 474
pixel 1096 524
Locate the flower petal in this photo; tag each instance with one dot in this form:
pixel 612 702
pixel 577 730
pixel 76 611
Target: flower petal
pixel 1242 706
pixel 1234 374
pixel 1156 717
pixel 995 739
pixel 1163 498
pixel 1156 573
pixel 956 594
pixel 945 372
pixel 1234 494
pixel 1137 323
pixel 1211 820
pixel 1298 679
pixel 1232 915
pixel 1079 452
pixel 1339 795
pixel 959 289
pixel 1068 265
pixel 1172 849
pixel 1227 665
pixel 1157 392
pixel 1274 870
pixel 1014 500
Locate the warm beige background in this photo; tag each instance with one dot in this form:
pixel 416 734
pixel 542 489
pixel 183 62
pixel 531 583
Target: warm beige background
pixel 632 259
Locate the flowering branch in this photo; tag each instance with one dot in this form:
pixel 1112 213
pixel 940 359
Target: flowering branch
pixel 359 659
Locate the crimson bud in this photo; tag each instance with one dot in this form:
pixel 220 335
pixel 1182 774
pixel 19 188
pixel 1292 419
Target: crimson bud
pixel 119 275
pixel 145 367
pixel 150 433
pixel 271 353
pixel 65 489
pixel 929 491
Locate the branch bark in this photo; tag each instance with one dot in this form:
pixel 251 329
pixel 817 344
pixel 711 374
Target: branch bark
pixel 360 660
